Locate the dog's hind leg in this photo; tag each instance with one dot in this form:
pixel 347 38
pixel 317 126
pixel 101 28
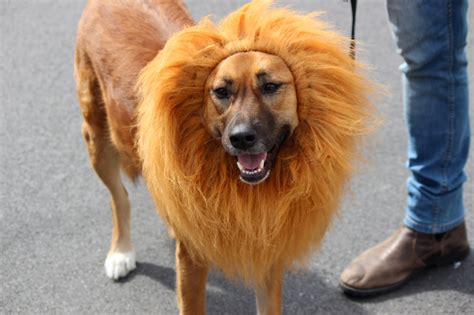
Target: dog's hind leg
pixel 268 294
pixel 191 282
pixel 106 162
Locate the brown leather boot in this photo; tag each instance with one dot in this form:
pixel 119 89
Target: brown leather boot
pixel 389 264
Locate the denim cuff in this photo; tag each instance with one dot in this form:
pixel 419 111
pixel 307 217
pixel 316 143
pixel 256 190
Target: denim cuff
pixel 432 228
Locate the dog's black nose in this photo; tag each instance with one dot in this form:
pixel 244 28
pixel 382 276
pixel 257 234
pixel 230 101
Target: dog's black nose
pixel 243 136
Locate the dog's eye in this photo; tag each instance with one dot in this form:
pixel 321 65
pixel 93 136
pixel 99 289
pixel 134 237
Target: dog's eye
pixel 269 88
pixel 221 93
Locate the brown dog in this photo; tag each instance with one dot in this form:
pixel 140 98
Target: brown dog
pixel 245 134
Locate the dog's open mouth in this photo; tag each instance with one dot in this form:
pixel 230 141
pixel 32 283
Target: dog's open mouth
pixel 254 168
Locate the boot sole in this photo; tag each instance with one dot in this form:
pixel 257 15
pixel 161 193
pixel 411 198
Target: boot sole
pixel 361 293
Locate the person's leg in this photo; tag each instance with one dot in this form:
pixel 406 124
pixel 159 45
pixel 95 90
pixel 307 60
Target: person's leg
pixel 431 38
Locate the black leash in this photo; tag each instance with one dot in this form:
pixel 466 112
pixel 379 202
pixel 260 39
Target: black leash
pixel 353 44
pixel 352 52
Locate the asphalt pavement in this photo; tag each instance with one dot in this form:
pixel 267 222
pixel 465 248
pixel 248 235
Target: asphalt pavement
pixel 54 214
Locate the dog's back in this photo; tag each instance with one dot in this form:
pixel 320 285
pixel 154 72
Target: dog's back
pixel 115 40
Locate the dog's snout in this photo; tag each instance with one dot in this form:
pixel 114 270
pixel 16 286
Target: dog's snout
pixel 243 136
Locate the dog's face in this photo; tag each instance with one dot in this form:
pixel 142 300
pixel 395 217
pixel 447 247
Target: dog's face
pixel 251 106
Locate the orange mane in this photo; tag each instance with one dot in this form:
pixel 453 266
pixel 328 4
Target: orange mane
pixel 244 229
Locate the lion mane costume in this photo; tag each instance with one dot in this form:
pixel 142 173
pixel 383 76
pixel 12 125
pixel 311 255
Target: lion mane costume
pixel 242 229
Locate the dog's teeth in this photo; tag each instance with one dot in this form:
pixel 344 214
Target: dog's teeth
pixel 262 163
pixel 251 172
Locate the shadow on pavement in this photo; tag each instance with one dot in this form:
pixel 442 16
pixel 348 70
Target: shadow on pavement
pixel 164 275
pixel 304 293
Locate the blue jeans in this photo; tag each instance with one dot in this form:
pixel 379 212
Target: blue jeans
pixel 431 38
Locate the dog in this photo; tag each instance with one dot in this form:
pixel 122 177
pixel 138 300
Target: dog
pixel 245 132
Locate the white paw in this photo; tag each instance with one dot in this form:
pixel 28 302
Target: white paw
pixel 119 265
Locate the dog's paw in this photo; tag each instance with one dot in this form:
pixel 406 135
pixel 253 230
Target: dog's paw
pixel 118 265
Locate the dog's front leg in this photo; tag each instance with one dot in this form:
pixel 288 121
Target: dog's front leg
pixel 268 294
pixel 191 282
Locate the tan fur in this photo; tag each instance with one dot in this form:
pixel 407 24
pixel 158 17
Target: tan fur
pixel 115 40
pixel 253 232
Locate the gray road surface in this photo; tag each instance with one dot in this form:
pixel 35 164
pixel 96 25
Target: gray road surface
pixel 54 214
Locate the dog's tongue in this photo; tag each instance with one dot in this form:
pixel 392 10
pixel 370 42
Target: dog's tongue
pixel 251 161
